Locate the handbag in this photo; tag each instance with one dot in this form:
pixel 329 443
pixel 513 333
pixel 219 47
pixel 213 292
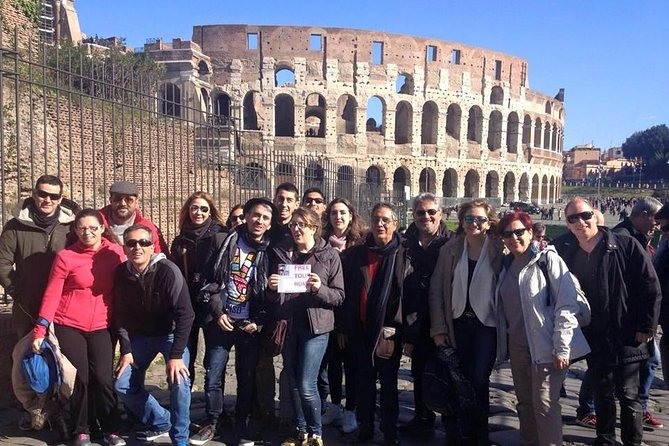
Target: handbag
pixel 278 337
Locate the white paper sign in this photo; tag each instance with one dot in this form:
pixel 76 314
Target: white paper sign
pixel 293 278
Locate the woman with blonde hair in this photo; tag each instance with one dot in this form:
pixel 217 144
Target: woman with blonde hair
pixel 462 308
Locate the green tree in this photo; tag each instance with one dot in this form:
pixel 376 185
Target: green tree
pixel 652 147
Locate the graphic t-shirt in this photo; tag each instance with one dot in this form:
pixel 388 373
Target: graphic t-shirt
pixel 238 289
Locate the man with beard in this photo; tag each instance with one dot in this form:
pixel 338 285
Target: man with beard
pixel 424 237
pixel 122 212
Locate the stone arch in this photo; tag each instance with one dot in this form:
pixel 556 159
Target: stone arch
pixel 535 188
pixel 169 100
pixel 284 76
pixel 509 187
pixel 547 136
pixel 449 184
pixel 475 124
pixel 315 116
pixel 285 173
pixel 554 138
pixel 205 100
pixel 429 123
pixel 472 181
pixel 403 123
pixel 314 175
pixel 376 115
pixel 404 84
pixel 401 180
pixel 453 121
pixel 345 180
pixel 427 181
pixel 551 190
pixel 548 107
pixel 253 112
pixel 222 108
pixel 284 115
pixel 373 183
pixel 495 130
pixel 492 184
pixel 497 95
pixel 524 188
pixel 347 110
pixel 527 130
pixel 512 125
pixel 203 68
pixel 537 133
pixel 544 189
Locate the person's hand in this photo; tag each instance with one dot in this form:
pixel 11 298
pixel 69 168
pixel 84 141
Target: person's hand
pixel 37 345
pixel 273 282
pixel 560 363
pixel 643 338
pixel 176 369
pixel 123 362
pixel 407 348
pixel 439 339
pixel 250 328
pixel 314 283
pixel 342 340
pixel 225 322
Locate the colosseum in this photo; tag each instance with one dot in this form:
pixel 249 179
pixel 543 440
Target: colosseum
pixel 409 114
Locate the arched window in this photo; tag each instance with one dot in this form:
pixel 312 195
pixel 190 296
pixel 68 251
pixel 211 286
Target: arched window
pixel 253 117
pixel 426 181
pixel 314 116
pixel 453 121
pixel 404 84
pixel 495 130
pixel 527 130
pixel 475 124
pixel 497 95
pixel 284 77
pixel 492 185
pixel 472 184
pixel 429 124
pixel 222 109
pixel 403 123
pixel 169 103
pixel 346 114
pixel 512 133
pixel 376 111
pixel 284 115
pixel 537 133
pixel 449 184
pixel 509 187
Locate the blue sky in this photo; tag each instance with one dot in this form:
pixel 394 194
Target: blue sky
pixel 610 56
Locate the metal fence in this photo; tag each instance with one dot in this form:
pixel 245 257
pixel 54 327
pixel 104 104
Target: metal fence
pixel 92 118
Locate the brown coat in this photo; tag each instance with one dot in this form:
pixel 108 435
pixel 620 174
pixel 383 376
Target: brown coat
pixel 441 285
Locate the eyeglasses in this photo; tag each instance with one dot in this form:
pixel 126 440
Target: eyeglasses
pixel 517 232
pixel 238 217
pixel 430 212
pixel 43 194
pixel 310 200
pixel 298 224
pixel 585 216
pixel 385 221
pixel 471 219
pixel 117 198
pixel 144 243
pixel 195 208
pixel 83 229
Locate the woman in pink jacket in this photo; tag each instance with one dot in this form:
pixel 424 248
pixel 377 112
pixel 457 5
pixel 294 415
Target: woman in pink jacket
pixel 77 301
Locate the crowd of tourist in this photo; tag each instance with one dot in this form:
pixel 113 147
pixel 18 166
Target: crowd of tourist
pixel 341 302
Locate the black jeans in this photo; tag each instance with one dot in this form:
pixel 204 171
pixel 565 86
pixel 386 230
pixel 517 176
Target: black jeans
pixel 624 380
pixel 423 350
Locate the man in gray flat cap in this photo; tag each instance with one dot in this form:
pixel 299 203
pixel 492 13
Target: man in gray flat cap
pixel 122 212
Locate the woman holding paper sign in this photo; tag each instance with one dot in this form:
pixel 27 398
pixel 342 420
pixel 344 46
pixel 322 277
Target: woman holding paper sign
pixel 310 318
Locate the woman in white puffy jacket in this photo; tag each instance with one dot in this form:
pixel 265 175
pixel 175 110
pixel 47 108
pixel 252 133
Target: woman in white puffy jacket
pixel 538 313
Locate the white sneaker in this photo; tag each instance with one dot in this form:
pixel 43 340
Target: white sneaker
pixel 334 414
pixel 350 423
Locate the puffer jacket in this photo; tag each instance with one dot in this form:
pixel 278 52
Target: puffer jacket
pixel 26 256
pixel 319 306
pixel 550 324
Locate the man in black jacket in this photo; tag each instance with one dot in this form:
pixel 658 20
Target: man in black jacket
pixel 621 286
pixel 424 237
pixel 152 314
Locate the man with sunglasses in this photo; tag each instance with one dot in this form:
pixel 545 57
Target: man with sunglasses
pixel 424 238
pixel 314 199
pixel 152 314
pixel 641 225
pixel 122 212
pixel 28 246
pixel 624 294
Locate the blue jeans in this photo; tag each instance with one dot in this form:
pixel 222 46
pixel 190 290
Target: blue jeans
pixel 138 400
pixel 302 356
pixel 586 396
pixel 647 372
pixel 218 345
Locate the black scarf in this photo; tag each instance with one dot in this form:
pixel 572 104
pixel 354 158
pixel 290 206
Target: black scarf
pixel 222 267
pixel 192 231
pixel 46 223
pixel 378 291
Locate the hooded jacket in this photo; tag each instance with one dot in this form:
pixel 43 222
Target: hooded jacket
pixel 27 253
pixel 152 303
pixel 159 244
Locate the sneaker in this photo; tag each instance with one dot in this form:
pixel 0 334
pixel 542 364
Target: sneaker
pixel 300 439
pixel 82 440
pixel 148 436
pixel 650 421
pixel 245 442
pixel 587 421
pixel 334 414
pixel 113 440
pixel 316 440
pixel 350 423
pixel 203 436
pixel 25 422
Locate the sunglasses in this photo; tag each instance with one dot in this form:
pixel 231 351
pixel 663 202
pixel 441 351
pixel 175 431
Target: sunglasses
pixel 117 198
pixel 195 208
pixel 314 200
pixel 239 217
pixel 83 229
pixel 585 216
pixel 144 243
pixel 470 219
pixel 430 212
pixel 43 194
pixel 517 232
